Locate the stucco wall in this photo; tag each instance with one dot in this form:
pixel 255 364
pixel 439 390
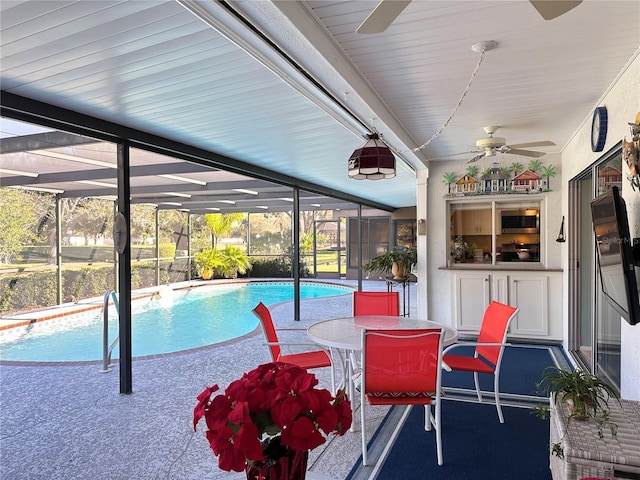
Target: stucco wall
pixel 623 103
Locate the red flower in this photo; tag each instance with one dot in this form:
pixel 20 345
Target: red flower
pixel 302 435
pixel 274 401
pixel 203 401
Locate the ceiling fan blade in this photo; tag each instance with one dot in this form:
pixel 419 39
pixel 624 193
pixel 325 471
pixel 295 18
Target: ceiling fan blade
pixel 546 143
pixel 552 9
pixel 525 153
pixel 453 155
pixel 382 16
pixel 476 158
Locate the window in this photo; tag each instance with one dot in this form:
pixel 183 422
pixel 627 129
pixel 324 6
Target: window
pixel 494 232
pixel 406 233
pixel 375 239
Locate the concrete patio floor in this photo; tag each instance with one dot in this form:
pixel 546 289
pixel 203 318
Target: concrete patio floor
pixel 71 422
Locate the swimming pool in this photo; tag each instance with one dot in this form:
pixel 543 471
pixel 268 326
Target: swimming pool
pixel 174 320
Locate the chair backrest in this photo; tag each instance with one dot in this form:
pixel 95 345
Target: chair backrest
pixel 401 361
pixel 262 312
pixel 376 303
pixel 494 327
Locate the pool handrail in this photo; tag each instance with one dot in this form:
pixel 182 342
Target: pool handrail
pixel 107 349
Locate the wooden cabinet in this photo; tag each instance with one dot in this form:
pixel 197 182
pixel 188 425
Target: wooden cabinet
pixel 527 291
pixel 473 222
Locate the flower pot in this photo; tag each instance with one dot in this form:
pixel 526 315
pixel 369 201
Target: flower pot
pixel 231 273
pixel 573 411
pixel 399 270
pixel 206 274
pixel 292 466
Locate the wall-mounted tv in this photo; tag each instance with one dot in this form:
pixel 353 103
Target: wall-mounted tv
pixel 615 254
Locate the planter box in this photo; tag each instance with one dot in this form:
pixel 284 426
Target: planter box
pixel 587 455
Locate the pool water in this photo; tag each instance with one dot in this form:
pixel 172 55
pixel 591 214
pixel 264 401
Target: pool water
pixel 171 321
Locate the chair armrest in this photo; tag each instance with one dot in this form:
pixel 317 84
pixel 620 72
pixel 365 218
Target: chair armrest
pixel 473 344
pixel 307 344
pixel 317 346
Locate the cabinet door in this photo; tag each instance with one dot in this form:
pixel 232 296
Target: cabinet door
pixel 483 222
pixel 472 294
pixel 529 294
pixel 476 222
pixel 499 288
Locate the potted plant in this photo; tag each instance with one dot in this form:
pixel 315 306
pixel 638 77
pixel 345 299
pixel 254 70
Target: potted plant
pixel 266 422
pixel 585 395
pixel 397 261
pixel 209 263
pixel 235 261
pixel 226 262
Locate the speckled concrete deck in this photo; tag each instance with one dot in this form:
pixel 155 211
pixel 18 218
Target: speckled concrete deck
pixel 71 422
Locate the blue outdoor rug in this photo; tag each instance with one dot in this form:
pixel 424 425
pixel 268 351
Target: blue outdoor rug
pixel 475 444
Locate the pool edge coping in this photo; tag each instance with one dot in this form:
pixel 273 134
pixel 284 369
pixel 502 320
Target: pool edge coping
pixel 146 293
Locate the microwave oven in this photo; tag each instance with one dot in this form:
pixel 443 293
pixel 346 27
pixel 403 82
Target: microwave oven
pixel 520 221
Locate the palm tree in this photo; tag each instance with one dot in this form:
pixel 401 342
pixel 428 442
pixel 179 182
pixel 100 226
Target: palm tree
pixel 222 224
pixel 548 171
pixel 534 165
pixel 516 167
pixel 235 261
pixel 449 178
pixel 472 171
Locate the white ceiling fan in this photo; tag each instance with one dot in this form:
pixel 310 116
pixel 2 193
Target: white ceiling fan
pixel 490 146
pixel 387 11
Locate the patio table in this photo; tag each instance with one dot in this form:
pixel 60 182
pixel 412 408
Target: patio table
pixel 344 334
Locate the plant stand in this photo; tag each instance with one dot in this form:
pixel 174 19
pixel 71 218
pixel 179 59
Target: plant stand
pixel 587 455
pixel 406 292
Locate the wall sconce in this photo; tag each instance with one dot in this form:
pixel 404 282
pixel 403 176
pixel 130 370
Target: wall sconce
pixel 561 238
pixel 422 227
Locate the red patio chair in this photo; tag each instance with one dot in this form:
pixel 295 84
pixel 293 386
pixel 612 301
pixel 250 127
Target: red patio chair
pixel 488 349
pixel 376 303
pixel 373 303
pixel 402 367
pixel 309 359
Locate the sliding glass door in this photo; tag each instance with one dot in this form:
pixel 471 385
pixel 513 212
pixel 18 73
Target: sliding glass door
pixel 594 328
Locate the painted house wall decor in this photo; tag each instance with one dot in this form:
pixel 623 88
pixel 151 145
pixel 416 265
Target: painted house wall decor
pixel 501 180
pixel 526 181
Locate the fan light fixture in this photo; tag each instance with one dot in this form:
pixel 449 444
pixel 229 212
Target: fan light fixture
pixel 373 160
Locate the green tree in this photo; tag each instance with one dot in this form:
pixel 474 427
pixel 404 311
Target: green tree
pixel 18 220
pixel 270 233
pixel 534 165
pixel 472 170
pixel 516 168
pixel 506 171
pixel 548 171
pixel 448 179
pixel 92 218
pixel 222 224
pixel 142 223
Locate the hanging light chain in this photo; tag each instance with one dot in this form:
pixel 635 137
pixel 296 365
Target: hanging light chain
pixel 453 113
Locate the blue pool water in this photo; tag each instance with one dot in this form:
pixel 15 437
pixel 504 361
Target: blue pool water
pixel 174 321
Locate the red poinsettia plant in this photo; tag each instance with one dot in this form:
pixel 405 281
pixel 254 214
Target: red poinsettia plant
pixel 276 403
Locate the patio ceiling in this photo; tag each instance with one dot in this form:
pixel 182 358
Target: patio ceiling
pixel 86 168
pixel 289 87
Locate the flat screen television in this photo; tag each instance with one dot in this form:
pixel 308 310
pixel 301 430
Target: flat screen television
pixel 615 254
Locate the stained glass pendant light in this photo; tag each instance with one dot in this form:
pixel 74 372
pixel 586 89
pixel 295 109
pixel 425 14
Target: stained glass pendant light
pixel 372 161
